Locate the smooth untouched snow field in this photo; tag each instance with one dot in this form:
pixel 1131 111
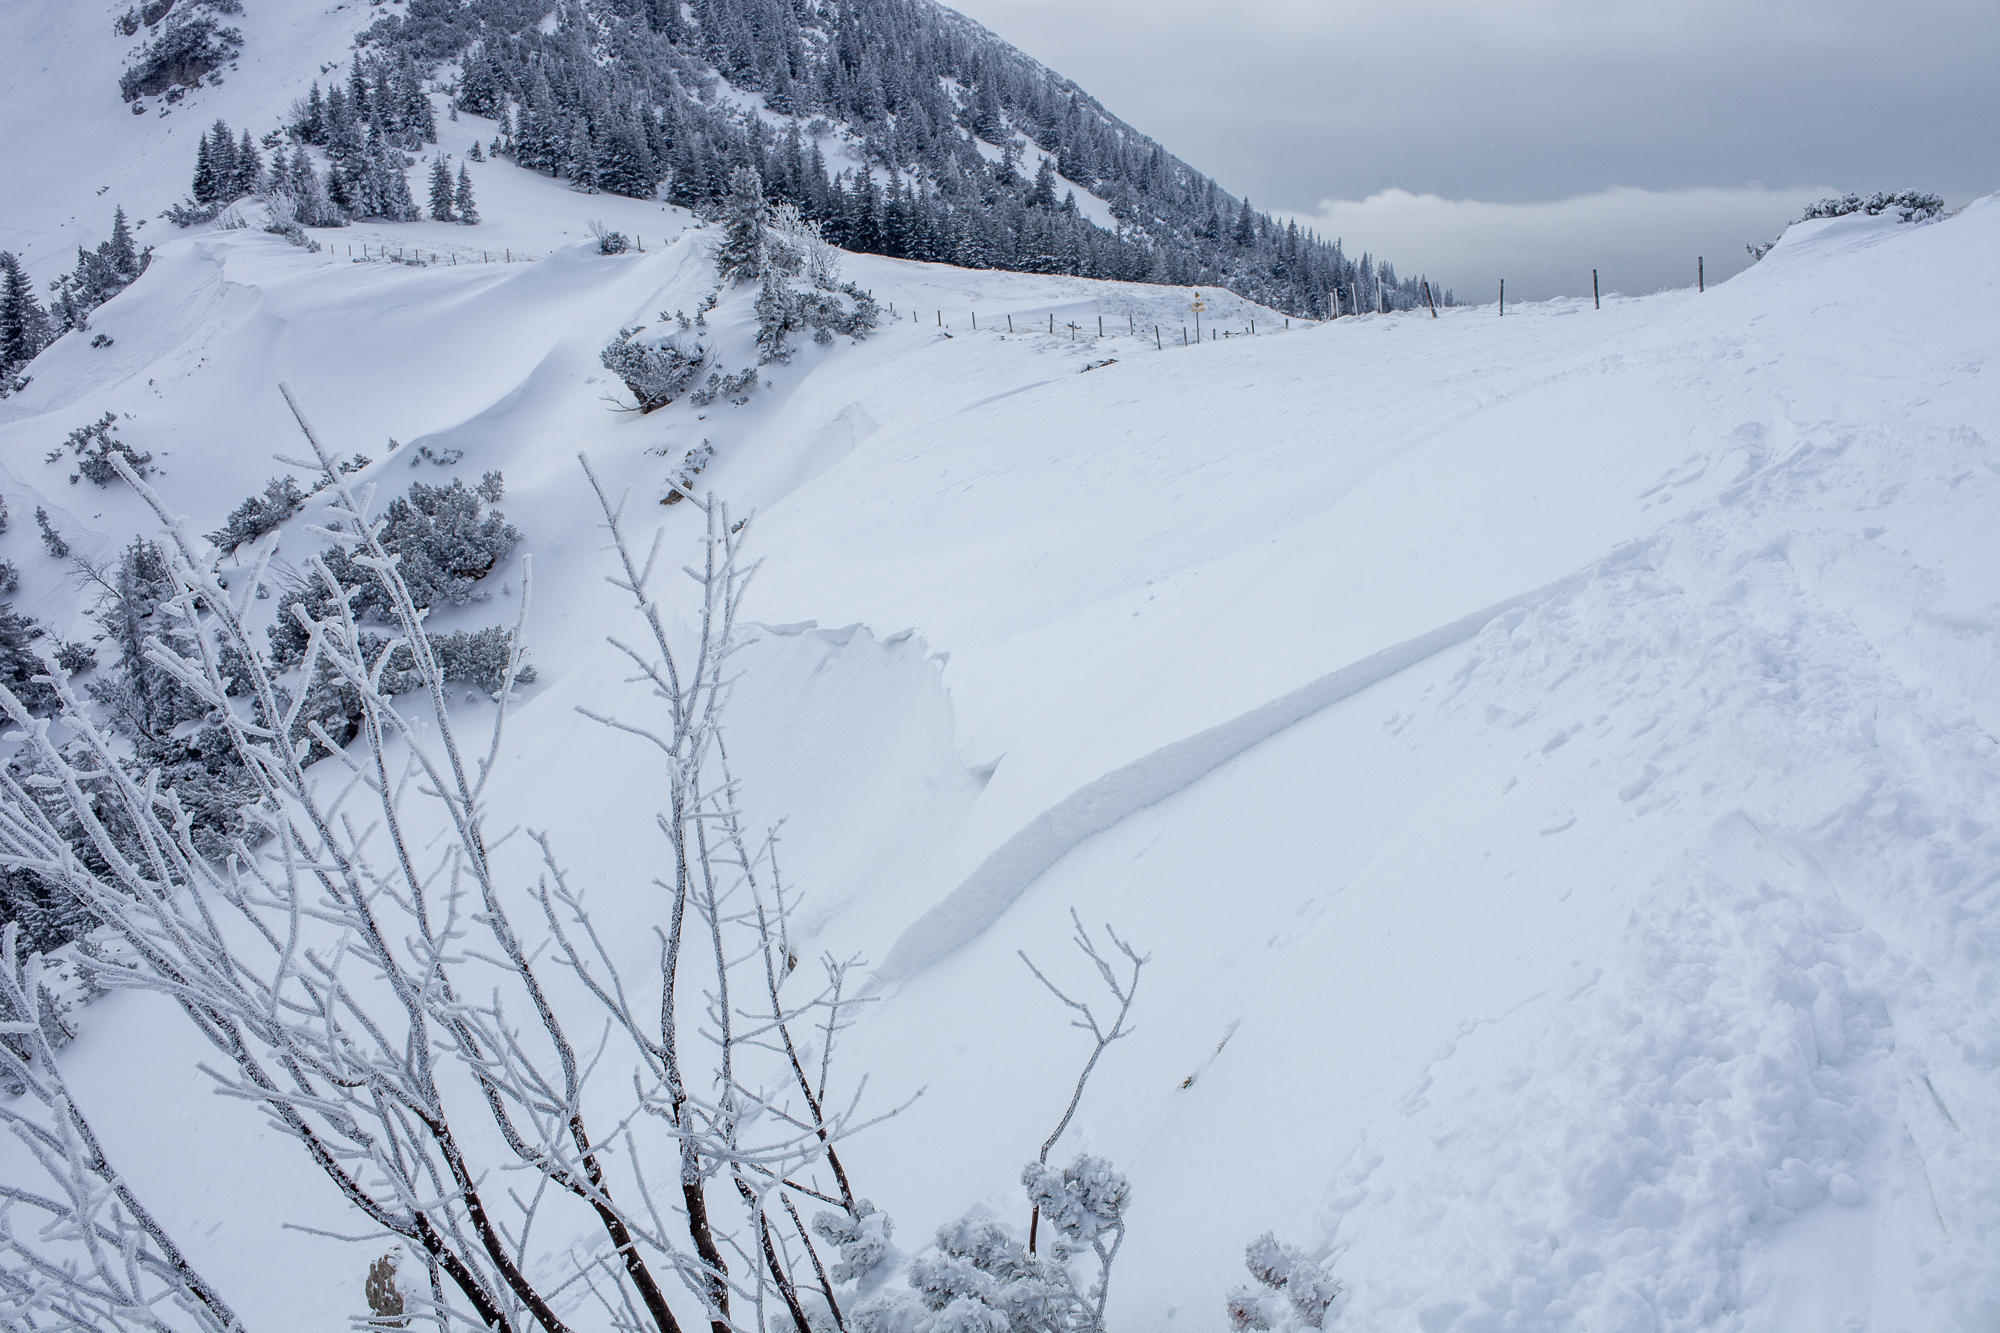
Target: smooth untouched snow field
pixel 1550 760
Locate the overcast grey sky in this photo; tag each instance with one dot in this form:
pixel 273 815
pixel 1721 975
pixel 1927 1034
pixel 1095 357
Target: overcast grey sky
pixel 1532 140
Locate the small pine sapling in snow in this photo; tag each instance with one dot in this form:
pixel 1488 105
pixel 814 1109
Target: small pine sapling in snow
pixel 259 514
pixel 51 539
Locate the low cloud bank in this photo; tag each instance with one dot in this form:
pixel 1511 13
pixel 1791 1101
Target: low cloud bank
pixel 1638 240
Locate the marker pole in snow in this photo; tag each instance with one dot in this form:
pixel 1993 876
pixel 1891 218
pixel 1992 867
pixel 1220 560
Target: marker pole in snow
pixel 975 321
pixel 1594 301
pixel 1158 346
pixel 1700 278
pixel 1010 323
pixel 1503 296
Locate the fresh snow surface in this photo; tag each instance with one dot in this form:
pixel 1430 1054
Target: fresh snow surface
pixel 1550 760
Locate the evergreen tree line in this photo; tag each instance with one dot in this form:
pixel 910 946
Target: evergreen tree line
pixel 365 177
pixel 622 96
pixel 26 327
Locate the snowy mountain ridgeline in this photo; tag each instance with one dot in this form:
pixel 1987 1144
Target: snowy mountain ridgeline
pixel 687 751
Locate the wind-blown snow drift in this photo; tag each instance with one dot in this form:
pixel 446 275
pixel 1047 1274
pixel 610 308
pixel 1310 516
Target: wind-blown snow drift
pixel 1551 760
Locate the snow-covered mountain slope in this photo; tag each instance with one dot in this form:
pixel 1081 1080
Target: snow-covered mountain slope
pixel 1550 760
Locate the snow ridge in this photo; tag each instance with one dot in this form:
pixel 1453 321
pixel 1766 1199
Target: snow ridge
pixel 968 910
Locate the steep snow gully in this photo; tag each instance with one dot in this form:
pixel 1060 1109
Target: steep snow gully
pixel 1551 760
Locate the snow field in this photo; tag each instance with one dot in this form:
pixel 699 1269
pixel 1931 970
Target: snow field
pixel 1550 760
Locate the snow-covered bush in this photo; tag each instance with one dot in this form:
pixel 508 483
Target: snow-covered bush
pixel 445 539
pixel 609 242
pixel 1082 1201
pixel 656 372
pixel 730 388
pixel 862 1239
pixel 1908 205
pixel 1295 1292
pixel 801 285
pixel 259 514
pixel 93 446
pixel 979 1279
pixel 981 1276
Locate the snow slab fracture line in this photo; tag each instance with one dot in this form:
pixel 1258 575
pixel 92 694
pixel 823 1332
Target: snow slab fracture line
pixel 963 914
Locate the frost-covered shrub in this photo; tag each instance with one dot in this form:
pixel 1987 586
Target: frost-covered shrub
pixel 259 514
pixel 731 388
pixel 1295 1293
pixel 656 373
pixel 1082 1200
pixel 1908 205
pixel 609 242
pixel 863 1240
pixel 980 1276
pixel 94 446
pixel 471 657
pixel 793 253
pixel 141 699
pixel 446 539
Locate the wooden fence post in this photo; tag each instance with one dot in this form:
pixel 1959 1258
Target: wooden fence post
pixel 1595 302
pixel 1700 279
pixel 1503 296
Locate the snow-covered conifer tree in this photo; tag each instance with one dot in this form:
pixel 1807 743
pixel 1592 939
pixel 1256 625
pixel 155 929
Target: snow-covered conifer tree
pixel 441 196
pixel 24 325
pixel 461 198
pixel 740 258
pixel 248 177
